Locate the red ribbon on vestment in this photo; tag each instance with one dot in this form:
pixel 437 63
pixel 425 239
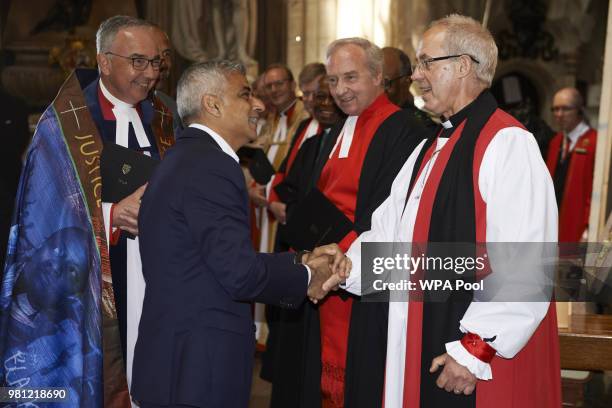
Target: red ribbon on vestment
pixel 477 347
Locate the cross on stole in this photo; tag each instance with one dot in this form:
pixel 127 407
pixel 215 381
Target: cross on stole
pixel 74 112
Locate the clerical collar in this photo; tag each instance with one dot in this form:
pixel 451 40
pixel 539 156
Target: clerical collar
pixel 575 133
pixel 448 125
pixel 460 116
pixel 125 115
pixel 225 147
pixel 115 101
pixel 106 103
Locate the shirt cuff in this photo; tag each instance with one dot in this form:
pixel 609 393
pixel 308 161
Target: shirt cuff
pixel 115 232
pixel 480 369
pixel 309 273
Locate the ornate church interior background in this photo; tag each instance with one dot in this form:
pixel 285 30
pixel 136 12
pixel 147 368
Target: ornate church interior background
pixel 543 44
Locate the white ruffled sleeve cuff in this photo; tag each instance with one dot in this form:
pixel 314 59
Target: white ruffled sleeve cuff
pixel 480 369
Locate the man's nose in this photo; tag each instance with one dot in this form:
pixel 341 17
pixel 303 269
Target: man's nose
pixel 341 88
pixel 152 73
pixel 258 105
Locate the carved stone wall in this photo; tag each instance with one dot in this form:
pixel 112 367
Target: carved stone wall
pixel 32 76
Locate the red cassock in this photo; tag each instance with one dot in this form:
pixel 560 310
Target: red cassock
pixel 339 182
pixel 576 201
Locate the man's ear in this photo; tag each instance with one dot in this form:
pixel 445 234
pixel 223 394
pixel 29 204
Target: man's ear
pixel 211 104
pixel 466 66
pixel 378 79
pixel 103 63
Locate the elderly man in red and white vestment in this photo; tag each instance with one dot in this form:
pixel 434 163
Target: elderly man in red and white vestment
pixel 571 161
pixel 481 179
pixel 369 149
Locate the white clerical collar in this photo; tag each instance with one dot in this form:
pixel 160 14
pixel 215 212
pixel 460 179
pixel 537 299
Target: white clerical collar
pixel 112 99
pixel 345 139
pixel 218 139
pixel 575 133
pixel 125 114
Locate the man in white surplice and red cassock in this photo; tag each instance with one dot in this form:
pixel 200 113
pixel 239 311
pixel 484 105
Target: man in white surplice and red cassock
pixel 480 179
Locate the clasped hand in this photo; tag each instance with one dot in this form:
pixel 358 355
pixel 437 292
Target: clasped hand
pixel 329 267
pixel 454 377
pixel 125 213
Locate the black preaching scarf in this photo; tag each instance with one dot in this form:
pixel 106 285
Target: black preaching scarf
pixel 453 220
pixel 393 142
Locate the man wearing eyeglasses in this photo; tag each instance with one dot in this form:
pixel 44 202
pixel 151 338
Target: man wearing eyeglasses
pixel 129 64
pixel 276 137
pixel 396 75
pixel 63 190
pixel 571 161
pixel 163 84
pixel 480 179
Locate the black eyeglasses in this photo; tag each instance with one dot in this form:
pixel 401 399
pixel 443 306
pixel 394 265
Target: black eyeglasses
pixel 425 64
pixel 140 63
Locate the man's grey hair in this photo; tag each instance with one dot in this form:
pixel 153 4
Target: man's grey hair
pixel 110 27
pixel 200 79
pixel 464 35
pixel 374 55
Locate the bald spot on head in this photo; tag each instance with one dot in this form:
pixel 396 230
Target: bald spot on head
pixel 571 95
pixel 567 109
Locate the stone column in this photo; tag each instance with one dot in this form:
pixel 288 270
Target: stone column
pixel 601 180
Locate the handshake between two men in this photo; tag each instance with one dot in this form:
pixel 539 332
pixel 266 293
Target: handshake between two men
pixel 329 267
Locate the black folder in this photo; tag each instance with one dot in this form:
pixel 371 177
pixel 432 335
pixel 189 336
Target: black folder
pixel 286 192
pixel 260 167
pixel 316 221
pixel 246 153
pixel 123 170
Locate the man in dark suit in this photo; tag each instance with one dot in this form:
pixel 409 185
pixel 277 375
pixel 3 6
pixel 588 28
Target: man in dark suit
pixel 196 343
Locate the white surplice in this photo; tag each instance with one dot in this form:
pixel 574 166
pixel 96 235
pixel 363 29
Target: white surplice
pixel 126 114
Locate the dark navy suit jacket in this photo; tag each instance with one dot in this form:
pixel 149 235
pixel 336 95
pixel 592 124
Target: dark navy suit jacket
pixel 196 335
